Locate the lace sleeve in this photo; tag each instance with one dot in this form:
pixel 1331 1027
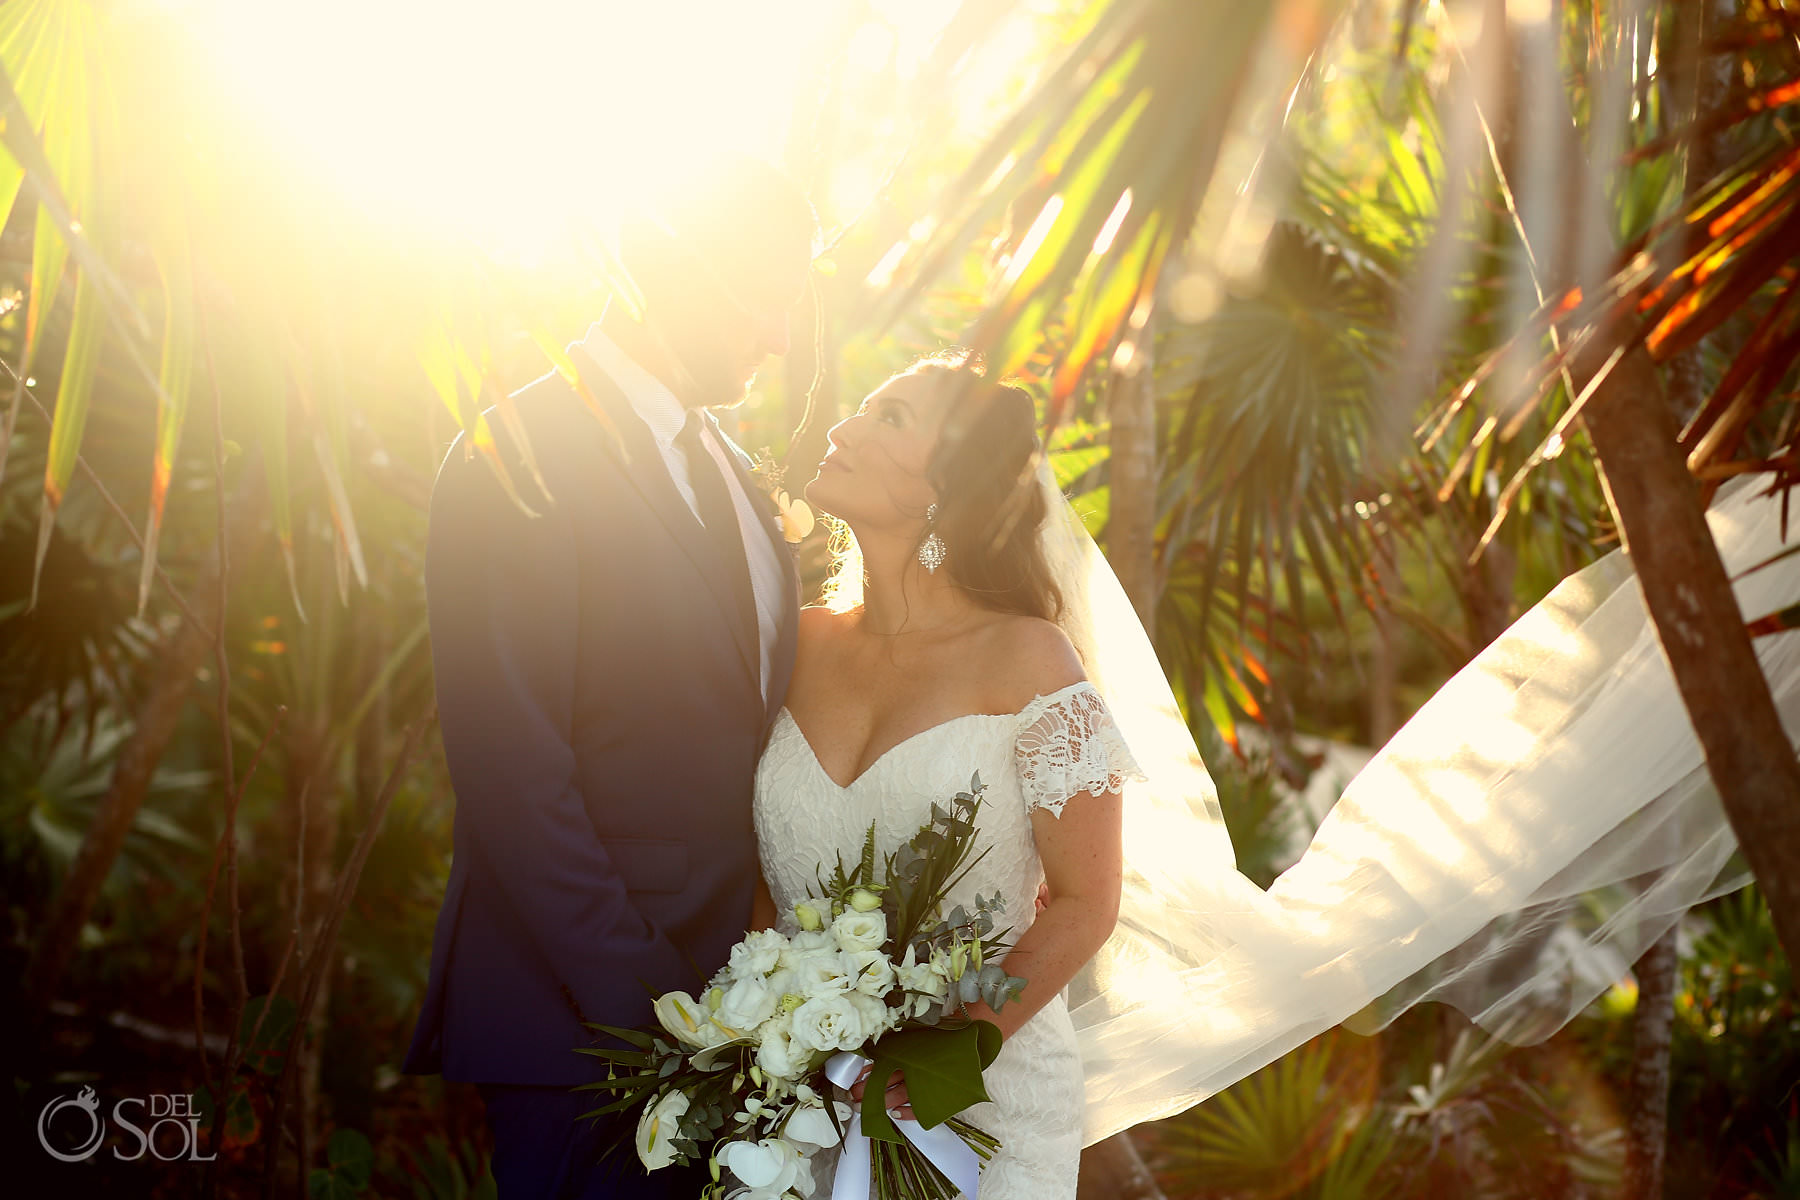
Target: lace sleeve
pixel 1068 744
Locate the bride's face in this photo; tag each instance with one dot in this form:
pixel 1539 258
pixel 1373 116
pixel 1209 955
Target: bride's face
pixel 875 473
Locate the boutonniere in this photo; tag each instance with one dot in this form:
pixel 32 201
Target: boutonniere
pixel 796 516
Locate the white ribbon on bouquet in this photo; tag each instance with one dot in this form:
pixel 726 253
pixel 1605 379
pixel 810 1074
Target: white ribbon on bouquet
pixel 942 1146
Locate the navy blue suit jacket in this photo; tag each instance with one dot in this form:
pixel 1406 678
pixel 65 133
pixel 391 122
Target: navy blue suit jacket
pixel 599 698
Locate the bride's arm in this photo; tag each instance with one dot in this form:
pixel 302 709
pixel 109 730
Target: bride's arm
pixel 1082 860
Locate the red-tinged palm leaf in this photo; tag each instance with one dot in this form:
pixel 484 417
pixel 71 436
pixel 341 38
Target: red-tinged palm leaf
pixel 1779 621
pixel 1727 436
pixel 1753 262
pixel 176 379
pixel 1743 109
pixel 1124 294
pixel 1140 104
pixel 1738 375
pixel 72 396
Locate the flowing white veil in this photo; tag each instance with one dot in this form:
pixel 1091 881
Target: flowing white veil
pixel 1542 820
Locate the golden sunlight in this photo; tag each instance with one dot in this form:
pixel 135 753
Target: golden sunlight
pixel 506 124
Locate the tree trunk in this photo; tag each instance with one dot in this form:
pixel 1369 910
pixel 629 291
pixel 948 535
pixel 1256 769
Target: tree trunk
pixel 1113 1170
pixel 1131 523
pixel 1703 86
pixel 1689 598
pixel 1652 1033
pixel 1662 526
pixel 153 724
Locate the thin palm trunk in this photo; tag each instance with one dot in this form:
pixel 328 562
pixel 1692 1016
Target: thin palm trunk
pixel 1131 521
pixel 1652 1035
pixel 1113 1169
pixel 1707 85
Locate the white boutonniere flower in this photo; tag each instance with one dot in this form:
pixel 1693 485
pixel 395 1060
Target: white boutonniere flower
pixel 794 516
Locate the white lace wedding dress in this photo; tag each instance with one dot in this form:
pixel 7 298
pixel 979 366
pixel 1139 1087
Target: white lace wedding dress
pixel 1051 751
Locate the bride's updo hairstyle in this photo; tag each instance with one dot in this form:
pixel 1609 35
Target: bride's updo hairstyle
pixel 989 506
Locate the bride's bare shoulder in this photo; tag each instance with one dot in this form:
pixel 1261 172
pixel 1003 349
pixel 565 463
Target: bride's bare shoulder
pixel 1033 657
pixel 821 629
pixel 818 621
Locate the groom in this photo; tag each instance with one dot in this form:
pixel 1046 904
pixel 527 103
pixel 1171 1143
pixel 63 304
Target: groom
pixel 607 672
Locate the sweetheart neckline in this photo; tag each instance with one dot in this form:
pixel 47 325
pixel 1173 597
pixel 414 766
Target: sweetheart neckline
pixel 886 754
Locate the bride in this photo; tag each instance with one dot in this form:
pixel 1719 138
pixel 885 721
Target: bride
pixel 952 663
pixel 1542 820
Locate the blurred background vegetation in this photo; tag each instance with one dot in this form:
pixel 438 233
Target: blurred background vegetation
pixel 1278 271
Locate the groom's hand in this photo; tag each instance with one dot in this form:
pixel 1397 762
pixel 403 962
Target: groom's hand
pixel 897 1102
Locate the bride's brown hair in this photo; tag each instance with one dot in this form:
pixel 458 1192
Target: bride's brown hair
pixel 989 505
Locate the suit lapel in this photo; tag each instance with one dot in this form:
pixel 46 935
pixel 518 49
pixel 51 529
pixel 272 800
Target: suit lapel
pixel 645 468
pixel 781 662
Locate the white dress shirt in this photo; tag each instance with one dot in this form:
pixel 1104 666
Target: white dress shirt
pixel 651 399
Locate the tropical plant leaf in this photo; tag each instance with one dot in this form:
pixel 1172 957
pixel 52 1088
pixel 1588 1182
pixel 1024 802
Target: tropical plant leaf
pixel 72 396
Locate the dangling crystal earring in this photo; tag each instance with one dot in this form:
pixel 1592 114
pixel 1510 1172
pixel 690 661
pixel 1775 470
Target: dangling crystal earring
pixel 931 550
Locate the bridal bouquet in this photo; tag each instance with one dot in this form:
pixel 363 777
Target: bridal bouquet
pixel 747 1075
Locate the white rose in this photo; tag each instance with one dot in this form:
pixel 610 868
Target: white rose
pixel 685 1018
pixel 860 930
pixel 766 1168
pixel 746 1004
pixel 872 973
pixel 778 1054
pixel 829 1023
pixel 657 1129
pixel 758 953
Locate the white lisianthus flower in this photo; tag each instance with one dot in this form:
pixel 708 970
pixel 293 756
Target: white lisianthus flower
pixel 778 1054
pixel 783 981
pixel 811 1125
pixel 871 971
pixel 860 930
pixel 767 1168
pixel 806 943
pixel 758 953
pixel 746 1004
pixel 657 1129
pixel 807 917
pixel 830 1023
pixel 863 900
pixel 685 1018
pixel 877 1018
pixel 821 973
